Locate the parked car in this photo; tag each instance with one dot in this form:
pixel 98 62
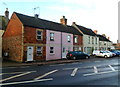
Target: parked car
pixel 116 52
pixel 77 55
pixel 113 54
pixel 101 53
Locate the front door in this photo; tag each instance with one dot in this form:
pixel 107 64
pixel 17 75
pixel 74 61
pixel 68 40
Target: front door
pixel 29 53
pixel 63 52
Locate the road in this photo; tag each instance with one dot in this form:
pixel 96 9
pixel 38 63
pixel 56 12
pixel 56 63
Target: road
pixel 96 72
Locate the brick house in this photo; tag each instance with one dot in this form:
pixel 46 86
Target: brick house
pixel 33 39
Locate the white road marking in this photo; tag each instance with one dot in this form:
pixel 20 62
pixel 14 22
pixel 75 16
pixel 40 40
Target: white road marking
pixel 99 73
pixel 87 67
pixel 26 81
pixel 74 72
pixel 14 76
pixel 111 67
pixel 95 69
pixel 45 74
pixel 17 72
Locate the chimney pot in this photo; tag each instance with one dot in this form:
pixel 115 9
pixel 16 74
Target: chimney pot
pixel 7 13
pixel 63 21
pixel 74 23
pixel 36 15
pixel 95 31
pixel 104 35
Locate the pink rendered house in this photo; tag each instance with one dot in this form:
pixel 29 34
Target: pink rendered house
pixel 58 44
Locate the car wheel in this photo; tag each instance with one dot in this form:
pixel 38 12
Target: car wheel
pixel 74 58
pixel 87 57
pixel 105 56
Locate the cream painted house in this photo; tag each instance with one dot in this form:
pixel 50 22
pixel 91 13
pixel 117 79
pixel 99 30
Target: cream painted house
pixel 1 33
pixel 104 43
pixel 3 23
pixel 90 39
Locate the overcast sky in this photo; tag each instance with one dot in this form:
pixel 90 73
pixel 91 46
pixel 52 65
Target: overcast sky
pixel 101 15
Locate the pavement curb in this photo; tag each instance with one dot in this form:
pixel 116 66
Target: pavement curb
pixel 41 63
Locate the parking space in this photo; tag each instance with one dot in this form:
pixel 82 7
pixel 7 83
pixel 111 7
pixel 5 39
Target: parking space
pixel 74 72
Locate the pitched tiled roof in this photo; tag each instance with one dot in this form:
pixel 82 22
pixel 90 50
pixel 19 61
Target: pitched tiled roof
pixel 102 38
pixel 45 24
pixel 86 30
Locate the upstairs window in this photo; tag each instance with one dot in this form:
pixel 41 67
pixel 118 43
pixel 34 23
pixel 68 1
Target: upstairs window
pixel 92 40
pixel 69 38
pixel 96 40
pixel 76 39
pixel 39 50
pixel 51 36
pixel 89 40
pixel 39 35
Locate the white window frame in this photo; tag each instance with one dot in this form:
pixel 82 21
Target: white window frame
pixel 68 38
pixel 51 37
pixel 39 35
pixel 52 50
pixel 63 50
pixel 92 40
pixel 76 39
pixel 88 39
pixel 39 51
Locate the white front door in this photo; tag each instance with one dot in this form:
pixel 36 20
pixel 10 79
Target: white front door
pixel 63 52
pixel 29 53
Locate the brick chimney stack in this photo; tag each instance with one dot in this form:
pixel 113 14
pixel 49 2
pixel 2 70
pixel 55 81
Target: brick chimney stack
pixel 104 35
pixel 108 38
pixel 63 21
pixel 7 13
pixel 95 31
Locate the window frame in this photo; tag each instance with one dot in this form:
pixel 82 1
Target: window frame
pixel 52 37
pixel 52 50
pixel 88 39
pixel 76 39
pixel 37 35
pixel 69 38
pixel 40 51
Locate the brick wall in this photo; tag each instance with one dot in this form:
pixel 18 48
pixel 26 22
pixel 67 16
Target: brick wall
pixel 80 40
pixel 12 39
pixel 30 40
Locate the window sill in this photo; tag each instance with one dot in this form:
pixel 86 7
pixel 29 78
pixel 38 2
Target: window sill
pixel 38 55
pixel 51 54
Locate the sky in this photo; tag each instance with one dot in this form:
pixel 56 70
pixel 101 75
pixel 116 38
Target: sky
pixel 101 15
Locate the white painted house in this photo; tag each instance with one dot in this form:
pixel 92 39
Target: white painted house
pixel 104 43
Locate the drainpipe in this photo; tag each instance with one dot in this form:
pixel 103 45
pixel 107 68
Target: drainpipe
pixel 61 45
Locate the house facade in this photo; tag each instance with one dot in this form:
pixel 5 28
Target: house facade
pixel 76 42
pixel 90 39
pixel 3 23
pixel 104 43
pixel 33 39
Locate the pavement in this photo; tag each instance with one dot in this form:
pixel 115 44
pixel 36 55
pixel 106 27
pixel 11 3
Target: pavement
pixel 12 63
